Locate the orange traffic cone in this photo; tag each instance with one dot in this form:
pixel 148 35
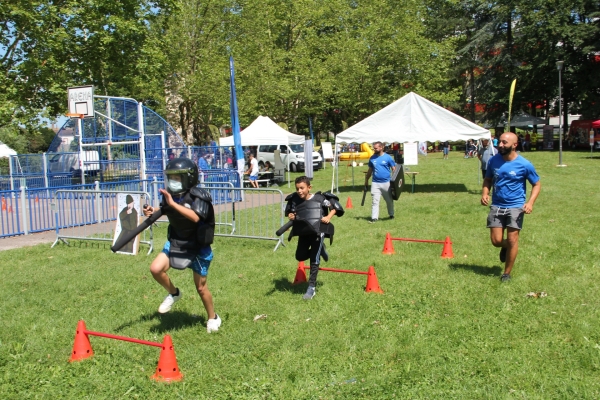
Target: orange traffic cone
pixel 447 251
pixel 388 247
pixel 3 204
pixel 372 282
pixel 300 274
pixel 81 348
pixel 167 369
pixel 37 199
pixel 349 204
pixel 9 209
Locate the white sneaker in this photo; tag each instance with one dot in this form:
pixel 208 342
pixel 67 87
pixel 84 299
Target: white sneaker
pixel 310 293
pixel 212 325
pixel 168 302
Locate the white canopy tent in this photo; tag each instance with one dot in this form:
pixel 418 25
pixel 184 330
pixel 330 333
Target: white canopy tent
pixel 6 151
pixel 411 118
pixel 263 131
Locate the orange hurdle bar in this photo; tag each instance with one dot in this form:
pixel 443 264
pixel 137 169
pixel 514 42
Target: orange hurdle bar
pixel 123 338
pixel 419 240
pixel 346 271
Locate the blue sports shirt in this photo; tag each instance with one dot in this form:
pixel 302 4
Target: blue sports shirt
pixel 509 180
pixel 381 167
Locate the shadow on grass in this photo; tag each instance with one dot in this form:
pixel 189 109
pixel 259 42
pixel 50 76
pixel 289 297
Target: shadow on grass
pixel 285 285
pixel 592 158
pixel 167 322
pixel 439 188
pixel 349 188
pixel 477 269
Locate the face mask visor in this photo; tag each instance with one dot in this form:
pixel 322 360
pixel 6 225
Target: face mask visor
pixel 176 182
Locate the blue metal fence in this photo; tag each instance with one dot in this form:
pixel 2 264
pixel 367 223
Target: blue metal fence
pixel 10 221
pixel 106 149
pixel 35 208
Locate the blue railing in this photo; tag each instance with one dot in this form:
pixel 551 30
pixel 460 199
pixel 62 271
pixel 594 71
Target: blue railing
pixel 10 221
pixel 39 215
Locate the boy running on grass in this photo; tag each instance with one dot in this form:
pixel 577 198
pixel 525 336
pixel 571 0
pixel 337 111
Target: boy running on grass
pixel 191 231
pixel 311 214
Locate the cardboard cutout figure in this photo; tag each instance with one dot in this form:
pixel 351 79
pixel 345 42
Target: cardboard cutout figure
pixel 128 220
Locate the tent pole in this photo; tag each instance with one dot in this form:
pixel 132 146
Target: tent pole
pixel 334 168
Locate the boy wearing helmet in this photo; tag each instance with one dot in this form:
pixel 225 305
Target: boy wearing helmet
pixel 190 233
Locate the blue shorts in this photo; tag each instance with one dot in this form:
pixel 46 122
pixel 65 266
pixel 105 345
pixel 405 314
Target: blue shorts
pixel 253 177
pixel 200 264
pixel 445 150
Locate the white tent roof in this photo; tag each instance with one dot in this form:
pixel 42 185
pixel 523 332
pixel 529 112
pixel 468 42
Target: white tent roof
pixel 6 151
pixel 412 118
pixel 264 131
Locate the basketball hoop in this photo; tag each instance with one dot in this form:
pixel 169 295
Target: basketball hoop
pixel 71 115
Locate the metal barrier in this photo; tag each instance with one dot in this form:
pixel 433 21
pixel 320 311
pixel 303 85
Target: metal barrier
pixel 28 210
pixel 87 215
pixel 11 215
pixel 258 216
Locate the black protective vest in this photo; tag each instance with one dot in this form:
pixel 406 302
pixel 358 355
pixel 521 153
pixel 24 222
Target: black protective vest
pixel 180 228
pixel 308 217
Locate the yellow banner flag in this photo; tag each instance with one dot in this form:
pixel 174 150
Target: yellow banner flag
pixel 510 99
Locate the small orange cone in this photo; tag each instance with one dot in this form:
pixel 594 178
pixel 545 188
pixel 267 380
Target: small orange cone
pixel 81 348
pixel 167 369
pixel 9 209
pixel 447 251
pixel 388 247
pixel 300 274
pixel 349 204
pixel 3 204
pixel 37 199
pixel 372 282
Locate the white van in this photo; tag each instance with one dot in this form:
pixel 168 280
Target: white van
pixel 296 153
pixel 63 163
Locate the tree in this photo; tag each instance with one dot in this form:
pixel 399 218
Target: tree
pixel 523 40
pixel 50 45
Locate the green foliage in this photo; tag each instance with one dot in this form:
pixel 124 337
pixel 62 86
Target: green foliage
pixel 49 46
pixel 498 42
pixel 25 141
pixel 331 61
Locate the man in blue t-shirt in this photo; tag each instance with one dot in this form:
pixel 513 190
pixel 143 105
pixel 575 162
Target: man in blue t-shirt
pixel 381 166
pixel 508 172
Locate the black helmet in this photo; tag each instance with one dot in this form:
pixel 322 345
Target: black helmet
pixel 186 171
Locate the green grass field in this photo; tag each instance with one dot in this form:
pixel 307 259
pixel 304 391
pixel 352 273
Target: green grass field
pixel 442 329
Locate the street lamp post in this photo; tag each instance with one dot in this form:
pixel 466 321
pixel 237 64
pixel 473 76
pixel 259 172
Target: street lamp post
pixel 559 67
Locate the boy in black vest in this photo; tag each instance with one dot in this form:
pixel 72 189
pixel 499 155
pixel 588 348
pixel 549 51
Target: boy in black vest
pixel 311 214
pixel 190 233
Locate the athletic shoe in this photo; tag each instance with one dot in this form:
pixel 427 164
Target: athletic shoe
pixel 503 254
pixel 505 278
pixel 391 217
pixel 372 221
pixel 212 325
pixel 168 302
pixel 310 293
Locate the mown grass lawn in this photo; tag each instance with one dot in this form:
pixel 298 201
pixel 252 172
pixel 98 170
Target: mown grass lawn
pixel 442 329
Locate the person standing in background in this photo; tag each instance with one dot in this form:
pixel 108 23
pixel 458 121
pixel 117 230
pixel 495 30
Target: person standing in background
pixel 381 166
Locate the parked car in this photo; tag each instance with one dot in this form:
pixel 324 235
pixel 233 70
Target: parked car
pixel 68 163
pixel 296 156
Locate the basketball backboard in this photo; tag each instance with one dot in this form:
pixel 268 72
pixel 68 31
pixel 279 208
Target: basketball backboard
pixel 81 100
